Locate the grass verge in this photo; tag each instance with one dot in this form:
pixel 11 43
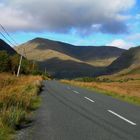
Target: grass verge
pixel 103 90
pixel 18 98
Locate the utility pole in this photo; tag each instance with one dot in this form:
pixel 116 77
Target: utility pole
pixel 6 32
pixel 19 66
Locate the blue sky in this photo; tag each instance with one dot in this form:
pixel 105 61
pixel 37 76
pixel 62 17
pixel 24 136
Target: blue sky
pixel 78 22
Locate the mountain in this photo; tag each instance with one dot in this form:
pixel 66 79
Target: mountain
pixel 6 47
pixel 66 60
pixel 92 55
pixel 129 60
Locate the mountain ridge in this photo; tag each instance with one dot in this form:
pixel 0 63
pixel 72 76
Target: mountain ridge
pixel 62 58
pixel 83 53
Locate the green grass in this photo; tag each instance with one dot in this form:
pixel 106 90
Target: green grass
pixel 35 103
pixel 5 132
pixel 12 117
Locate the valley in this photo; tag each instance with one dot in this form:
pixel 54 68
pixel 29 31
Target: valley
pixel 70 70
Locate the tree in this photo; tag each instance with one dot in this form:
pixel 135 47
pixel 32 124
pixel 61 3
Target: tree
pixel 10 63
pixel 4 61
pixel 14 62
pixel 26 66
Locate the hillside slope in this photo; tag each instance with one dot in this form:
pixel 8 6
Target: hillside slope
pixel 97 56
pixel 64 60
pixel 6 47
pixel 129 60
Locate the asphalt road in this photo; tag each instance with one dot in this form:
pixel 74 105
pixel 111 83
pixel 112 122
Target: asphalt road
pixel 72 113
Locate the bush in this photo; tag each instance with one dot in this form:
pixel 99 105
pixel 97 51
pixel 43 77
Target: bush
pixel 37 72
pixel 86 79
pixel 91 79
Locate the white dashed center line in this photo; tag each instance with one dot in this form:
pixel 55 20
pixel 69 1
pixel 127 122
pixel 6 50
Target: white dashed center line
pixel 132 123
pixel 110 111
pixel 76 92
pixel 89 99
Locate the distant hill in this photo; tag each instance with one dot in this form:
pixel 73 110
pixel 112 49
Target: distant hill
pixel 6 47
pixel 128 60
pixel 97 56
pixel 62 59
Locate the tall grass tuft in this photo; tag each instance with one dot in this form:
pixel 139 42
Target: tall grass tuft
pixel 18 97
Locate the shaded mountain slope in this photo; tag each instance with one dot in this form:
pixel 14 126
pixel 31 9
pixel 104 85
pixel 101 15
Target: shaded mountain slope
pixel 128 60
pixel 97 56
pixel 59 68
pixel 6 47
pixel 64 60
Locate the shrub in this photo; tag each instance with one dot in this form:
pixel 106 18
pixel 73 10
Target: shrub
pixel 86 79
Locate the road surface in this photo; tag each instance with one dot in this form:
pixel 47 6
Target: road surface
pixel 72 113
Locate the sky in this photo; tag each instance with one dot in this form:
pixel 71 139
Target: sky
pixel 78 22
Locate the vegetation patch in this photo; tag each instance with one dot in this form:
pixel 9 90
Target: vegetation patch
pixel 126 90
pixel 131 99
pixel 18 97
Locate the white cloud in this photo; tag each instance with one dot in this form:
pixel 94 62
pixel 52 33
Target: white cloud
pixel 14 19
pixel 62 15
pixel 120 43
pixel 134 37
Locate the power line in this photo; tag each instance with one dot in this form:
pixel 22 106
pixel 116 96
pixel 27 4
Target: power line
pixel 21 57
pixel 6 38
pixel 8 34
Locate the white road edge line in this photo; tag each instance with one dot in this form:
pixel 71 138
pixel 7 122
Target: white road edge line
pixel 122 117
pixel 76 92
pixel 89 99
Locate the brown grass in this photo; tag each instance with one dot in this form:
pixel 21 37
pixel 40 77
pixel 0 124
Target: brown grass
pixel 18 96
pixel 123 87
